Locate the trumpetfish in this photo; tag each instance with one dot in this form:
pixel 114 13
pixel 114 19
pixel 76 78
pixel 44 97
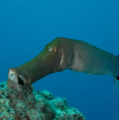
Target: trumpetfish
pixel 61 54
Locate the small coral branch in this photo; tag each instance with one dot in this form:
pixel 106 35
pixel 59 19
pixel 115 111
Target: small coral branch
pixel 34 105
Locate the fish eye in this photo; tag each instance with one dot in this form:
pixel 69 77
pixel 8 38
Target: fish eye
pixel 50 49
pixel 57 49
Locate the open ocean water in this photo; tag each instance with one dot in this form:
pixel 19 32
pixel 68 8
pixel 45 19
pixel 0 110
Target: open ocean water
pixel 26 26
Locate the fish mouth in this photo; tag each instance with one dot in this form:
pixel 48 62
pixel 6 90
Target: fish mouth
pixel 15 81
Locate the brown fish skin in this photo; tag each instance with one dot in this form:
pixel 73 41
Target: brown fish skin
pixel 47 62
pixel 61 54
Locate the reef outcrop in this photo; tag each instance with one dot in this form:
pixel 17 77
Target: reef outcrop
pixel 34 105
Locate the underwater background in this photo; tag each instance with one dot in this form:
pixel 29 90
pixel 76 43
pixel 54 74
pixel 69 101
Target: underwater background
pixel 26 26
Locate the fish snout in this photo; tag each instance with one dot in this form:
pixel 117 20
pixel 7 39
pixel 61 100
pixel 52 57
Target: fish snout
pixel 15 80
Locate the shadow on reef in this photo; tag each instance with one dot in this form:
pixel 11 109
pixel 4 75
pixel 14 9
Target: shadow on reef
pixel 34 105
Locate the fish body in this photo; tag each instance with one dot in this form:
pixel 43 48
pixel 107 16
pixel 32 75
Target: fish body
pixel 61 54
pixel 93 60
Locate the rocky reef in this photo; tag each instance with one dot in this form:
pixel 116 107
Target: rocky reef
pixel 34 105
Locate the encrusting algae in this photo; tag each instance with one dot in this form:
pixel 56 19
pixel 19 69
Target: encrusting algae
pixel 34 105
